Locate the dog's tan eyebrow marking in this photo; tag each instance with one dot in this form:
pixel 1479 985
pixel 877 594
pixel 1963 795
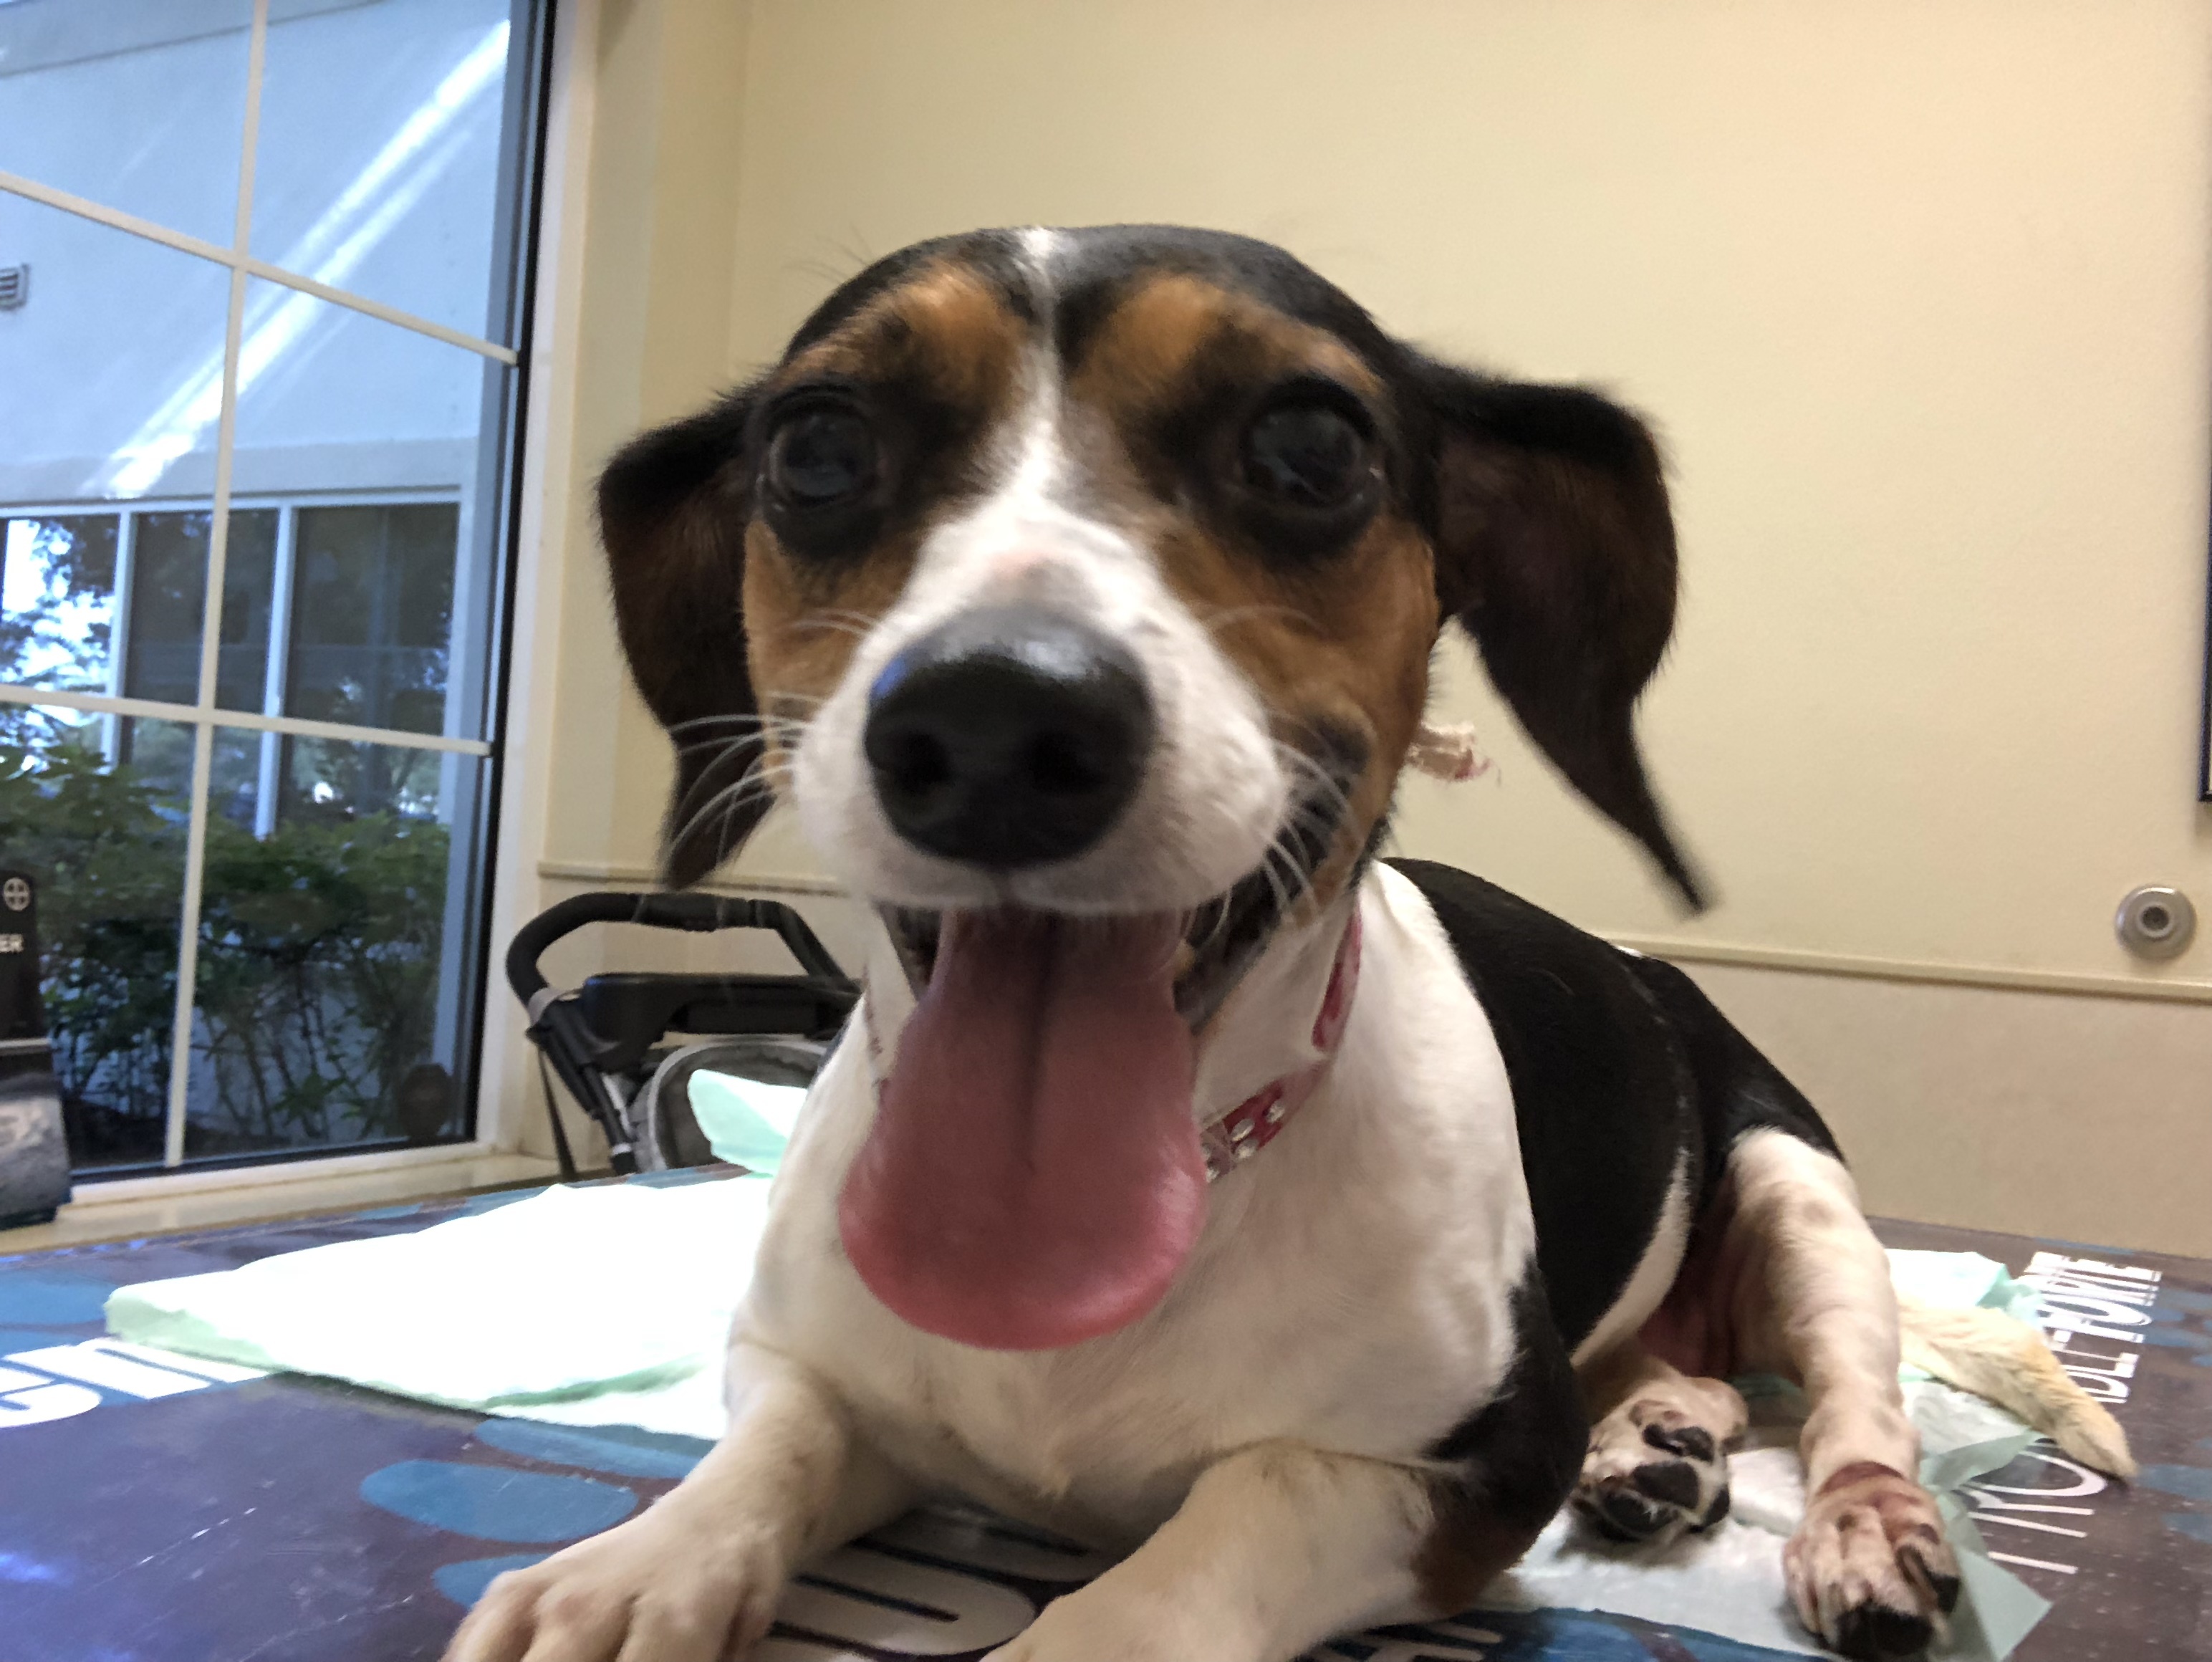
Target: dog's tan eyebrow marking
pixel 946 348
pixel 947 323
pixel 1143 352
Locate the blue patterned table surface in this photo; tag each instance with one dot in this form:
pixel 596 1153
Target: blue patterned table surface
pixel 152 1513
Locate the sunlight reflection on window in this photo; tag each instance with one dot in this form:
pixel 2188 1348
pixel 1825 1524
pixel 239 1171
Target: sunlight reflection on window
pixel 377 199
pixel 58 601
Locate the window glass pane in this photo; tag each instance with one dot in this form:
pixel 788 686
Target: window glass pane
pixel 158 752
pixel 334 1001
pixel 332 399
pixel 236 769
pixel 332 947
pixel 387 622
pixel 331 782
pixel 380 156
pixel 104 838
pixel 248 568
pixel 112 365
pixel 167 590
pixel 138 104
pixel 373 614
pixel 58 601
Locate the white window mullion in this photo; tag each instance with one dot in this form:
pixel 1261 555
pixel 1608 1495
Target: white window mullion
pixel 188 950
pixel 115 219
pixel 301 726
pixel 188 923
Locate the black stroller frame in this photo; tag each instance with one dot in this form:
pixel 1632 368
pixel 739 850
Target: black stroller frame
pixel 608 1038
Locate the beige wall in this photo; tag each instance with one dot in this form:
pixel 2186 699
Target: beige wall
pixel 633 301
pixel 1915 291
pixel 2039 1113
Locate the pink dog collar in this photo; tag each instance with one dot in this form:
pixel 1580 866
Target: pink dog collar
pixel 1254 1123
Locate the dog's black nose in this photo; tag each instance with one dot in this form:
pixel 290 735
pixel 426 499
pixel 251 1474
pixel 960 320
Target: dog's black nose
pixel 1008 737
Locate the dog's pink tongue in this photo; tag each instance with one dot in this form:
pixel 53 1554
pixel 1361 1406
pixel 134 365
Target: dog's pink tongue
pixel 1033 1177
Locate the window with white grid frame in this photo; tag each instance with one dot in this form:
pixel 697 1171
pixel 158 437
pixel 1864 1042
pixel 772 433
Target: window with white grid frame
pixel 256 461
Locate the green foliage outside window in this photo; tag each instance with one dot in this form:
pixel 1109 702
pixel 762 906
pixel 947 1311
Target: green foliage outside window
pixel 318 955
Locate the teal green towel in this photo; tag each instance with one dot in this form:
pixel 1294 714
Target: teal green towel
pixel 746 1123
pixel 571 1293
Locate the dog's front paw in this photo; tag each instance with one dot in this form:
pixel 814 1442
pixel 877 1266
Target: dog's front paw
pixel 644 1589
pixel 1653 1472
pixel 1868 1569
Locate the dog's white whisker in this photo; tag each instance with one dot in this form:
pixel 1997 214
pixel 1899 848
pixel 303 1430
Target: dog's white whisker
pixel 734 728
pixel 732 742
pixel 857 626
pixel 1276 886
pixel 768 734
pixel 1299 881
pixel 860 619
pixel 760 780
pixel 1322 779
pixel 734 719
pixel 1219 907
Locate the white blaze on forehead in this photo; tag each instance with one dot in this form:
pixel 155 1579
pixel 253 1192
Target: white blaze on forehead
pixel 1022 541
pixel 1041 245
pixel 1038 473
pixel 1039 464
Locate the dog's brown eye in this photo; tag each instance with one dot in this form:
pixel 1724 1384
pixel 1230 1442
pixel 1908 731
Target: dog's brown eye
pixel 820 458
pixel 1305 455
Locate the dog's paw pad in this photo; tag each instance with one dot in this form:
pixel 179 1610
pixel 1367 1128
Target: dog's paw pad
pixel 1876 1633
pixel 1674 1482
pixel 1622 1514
pixel 1651 1473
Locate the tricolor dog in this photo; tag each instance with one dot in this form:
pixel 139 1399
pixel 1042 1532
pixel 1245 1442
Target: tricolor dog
pixel 1305 1225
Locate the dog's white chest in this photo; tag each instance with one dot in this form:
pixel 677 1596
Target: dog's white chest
pixel 1350 1291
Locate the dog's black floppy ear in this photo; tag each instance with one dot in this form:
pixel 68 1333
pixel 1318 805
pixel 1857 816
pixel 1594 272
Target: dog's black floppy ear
pixel 1555 550
pixel 673 506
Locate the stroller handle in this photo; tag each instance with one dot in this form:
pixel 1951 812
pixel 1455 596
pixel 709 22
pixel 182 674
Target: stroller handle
pixel 699 913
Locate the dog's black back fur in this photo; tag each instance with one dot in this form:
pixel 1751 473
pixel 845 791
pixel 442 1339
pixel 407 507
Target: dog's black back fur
pixel 1620 1070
